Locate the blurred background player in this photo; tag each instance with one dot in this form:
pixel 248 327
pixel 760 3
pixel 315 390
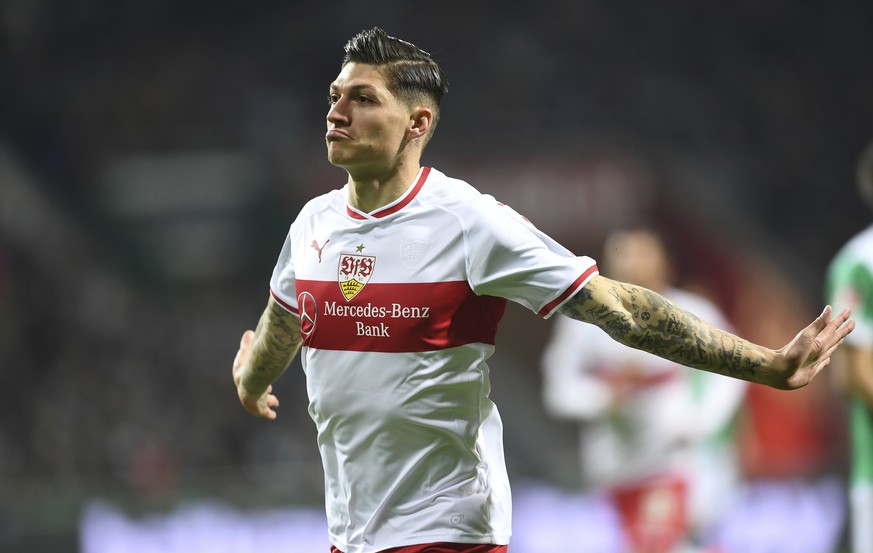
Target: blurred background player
pixel 654 434
pixel 850 281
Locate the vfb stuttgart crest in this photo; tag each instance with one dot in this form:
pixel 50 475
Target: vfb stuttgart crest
pixel 354 273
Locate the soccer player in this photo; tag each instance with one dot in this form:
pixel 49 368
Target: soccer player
pixel 394 285
pixel 654 436
pixel 850 281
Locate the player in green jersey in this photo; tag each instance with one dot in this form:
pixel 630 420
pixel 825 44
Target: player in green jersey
pixel 850 282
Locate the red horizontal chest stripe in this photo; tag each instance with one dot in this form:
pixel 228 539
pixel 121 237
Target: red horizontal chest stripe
pixel 396 317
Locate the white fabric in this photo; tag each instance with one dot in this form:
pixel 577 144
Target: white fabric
pixel 857 253
pixel 395 360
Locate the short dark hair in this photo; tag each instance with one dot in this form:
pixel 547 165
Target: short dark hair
pixel 410 72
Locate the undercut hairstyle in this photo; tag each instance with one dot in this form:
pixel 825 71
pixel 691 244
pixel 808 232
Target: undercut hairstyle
pixel 864 173
pixel 410 73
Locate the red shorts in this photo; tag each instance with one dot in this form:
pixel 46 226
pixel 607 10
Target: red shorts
pixel 442 547
pixel 654 513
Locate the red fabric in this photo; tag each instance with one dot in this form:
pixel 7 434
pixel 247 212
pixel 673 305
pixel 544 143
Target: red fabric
pixel 654 513
pixel 399 316
pixel 552 305
pixel 785 435
pixel 442 547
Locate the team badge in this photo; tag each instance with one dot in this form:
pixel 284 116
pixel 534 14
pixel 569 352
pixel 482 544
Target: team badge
pixel 354 273
pixel 412 252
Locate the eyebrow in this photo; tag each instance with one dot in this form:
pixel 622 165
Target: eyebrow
pixel 355 87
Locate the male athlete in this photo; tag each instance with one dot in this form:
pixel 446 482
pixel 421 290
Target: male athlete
pixel 394 285
pixel 850 280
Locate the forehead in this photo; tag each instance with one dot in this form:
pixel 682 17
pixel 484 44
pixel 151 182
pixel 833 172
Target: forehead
pixel 360 75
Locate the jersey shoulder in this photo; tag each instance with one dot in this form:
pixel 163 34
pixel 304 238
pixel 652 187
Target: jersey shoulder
pixel 465 200
pixel 445 190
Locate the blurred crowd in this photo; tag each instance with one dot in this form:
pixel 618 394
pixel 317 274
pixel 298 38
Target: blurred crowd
pixel 115 365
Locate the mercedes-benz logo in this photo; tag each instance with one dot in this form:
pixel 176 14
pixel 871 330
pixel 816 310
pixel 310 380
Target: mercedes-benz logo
pixel 308 312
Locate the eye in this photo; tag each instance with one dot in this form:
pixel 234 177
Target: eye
pixel 332 99
pixel 363 100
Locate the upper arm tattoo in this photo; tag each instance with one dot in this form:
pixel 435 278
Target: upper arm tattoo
pixel 646 320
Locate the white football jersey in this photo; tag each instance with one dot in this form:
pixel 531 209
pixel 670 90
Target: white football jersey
pixel 399 311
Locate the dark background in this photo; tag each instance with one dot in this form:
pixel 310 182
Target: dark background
pixel 152 155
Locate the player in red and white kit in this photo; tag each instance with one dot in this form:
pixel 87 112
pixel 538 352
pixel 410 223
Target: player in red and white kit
pixel 394 286
pixel 398 321
pixel 654 436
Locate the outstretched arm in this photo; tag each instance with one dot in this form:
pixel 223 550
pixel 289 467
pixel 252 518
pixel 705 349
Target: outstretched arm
pixel 642 319
pixel 263 356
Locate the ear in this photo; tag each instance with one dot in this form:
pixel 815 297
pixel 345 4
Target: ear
pixel 420 121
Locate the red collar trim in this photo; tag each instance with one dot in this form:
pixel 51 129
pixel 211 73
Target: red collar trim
pixel 398 205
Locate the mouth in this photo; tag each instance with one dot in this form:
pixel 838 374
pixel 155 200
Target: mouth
pixel 336 134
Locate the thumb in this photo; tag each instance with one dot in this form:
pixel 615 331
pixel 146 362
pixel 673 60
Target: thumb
pixel 247 338
pixel 825 317
pixel 245 349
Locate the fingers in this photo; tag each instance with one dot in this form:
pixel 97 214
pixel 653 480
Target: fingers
pixel 825 356
pixel 842 319
pixel 844 324
pixel 267 403
pixel 817 328
pixel 847 329
pixel 262 405
pixel 841 325
pixel 826 313
pixel 267 413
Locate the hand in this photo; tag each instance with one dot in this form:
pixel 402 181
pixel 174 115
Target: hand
pixel 258 404
pixel 810 351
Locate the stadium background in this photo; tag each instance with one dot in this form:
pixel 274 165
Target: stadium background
pixel 153 153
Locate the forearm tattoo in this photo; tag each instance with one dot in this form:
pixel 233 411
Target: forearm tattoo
pixel 643 319
pixel 277 339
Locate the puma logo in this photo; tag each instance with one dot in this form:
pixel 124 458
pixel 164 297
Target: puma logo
pixel 316 247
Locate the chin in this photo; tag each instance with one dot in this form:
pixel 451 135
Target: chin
pixel 338 161
pixel 337 157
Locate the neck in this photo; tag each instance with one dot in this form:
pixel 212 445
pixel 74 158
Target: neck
pixel 371 191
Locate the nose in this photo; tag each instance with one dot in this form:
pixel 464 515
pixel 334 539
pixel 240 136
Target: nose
pixel 337 115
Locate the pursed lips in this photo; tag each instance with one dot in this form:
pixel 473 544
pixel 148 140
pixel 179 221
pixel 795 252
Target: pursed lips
pixel 336 134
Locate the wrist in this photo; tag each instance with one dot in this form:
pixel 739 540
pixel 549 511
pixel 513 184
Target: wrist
pixel 250 386
pixel 771 368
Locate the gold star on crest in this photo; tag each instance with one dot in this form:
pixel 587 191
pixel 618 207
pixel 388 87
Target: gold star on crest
pixel 360 248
